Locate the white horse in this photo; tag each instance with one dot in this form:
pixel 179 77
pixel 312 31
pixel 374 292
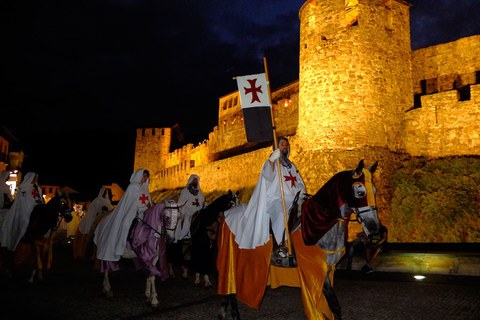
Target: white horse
pixel 147 246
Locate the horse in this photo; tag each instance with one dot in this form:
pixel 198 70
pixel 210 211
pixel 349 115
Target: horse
pixel 147 245
pixel 203 232
pixel 43 224
pixel 318 240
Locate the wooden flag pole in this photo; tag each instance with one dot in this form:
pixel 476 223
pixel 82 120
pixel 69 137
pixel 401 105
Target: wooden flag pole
pixel 285 219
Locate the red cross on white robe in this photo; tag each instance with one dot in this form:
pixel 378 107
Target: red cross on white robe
pixel 290 178
pixel 196 203
pixel 143 198
pixel 35 193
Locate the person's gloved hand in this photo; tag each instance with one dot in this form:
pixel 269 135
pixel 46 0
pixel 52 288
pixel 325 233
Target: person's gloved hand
pixel 301 198
pixel 275 155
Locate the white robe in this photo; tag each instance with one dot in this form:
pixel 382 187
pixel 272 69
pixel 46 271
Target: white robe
pixel 17 218
pixel 95 208
pixel 4 193
pixel 189 204
pixel 251 223
pixel 111 233
pixel 4 188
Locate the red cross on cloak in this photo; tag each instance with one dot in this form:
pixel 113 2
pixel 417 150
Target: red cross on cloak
pixel 290 178
pixel 196 203
pixel 35 193
pixel 143 198
pixel 253 90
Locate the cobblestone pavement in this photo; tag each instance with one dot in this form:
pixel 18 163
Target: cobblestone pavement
pixel 72 290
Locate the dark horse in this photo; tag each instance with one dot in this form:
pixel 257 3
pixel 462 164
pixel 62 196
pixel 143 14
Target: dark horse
pixel 318 243
pixel 44 221
pixel 203 232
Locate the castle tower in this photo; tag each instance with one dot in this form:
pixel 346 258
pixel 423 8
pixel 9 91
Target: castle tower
pixel 151 148
pixel 355 74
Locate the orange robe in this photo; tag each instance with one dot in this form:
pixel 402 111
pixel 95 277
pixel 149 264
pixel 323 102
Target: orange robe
pixel 247 272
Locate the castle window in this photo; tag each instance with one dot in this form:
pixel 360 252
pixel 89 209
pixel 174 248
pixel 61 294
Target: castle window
pixel 143 132
pixel 464 93
pixel 431 86
pixel 423 86
pixel 153 131
pixel 417 101
pixel 229 103
pixel 224 105
pixel 235 101
pixel 192 163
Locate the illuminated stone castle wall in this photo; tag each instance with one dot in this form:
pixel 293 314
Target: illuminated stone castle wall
pixel 362 94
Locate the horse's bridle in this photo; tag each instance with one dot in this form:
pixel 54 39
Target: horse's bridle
pixel 358 214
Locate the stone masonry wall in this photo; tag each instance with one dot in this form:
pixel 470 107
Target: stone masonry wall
pixel 444 126
pixel 443 65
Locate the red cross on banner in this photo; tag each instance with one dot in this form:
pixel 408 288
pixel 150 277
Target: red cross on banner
pixel 254 90
pixel 254 95
pixel 291 178
pixel 143 198
pixel 196 203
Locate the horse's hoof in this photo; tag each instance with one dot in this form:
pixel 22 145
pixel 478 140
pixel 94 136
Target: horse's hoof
pixel 208 286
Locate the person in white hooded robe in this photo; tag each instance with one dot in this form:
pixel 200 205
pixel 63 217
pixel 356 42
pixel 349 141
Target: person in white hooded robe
pixel 98 205
pixel 101 204
pixel 18 216
pixel 190 201
pixel 251 223
pixel 112 231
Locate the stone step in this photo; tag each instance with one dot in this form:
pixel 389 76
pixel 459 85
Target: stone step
pixel 444 263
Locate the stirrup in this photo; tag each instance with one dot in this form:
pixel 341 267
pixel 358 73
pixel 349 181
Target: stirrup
pixel 281 258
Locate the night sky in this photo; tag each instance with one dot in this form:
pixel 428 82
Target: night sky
pixel 78 77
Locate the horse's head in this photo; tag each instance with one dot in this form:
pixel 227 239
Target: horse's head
pixel 232 199
pixel 171 214
pixel 361 198
pixel 63 205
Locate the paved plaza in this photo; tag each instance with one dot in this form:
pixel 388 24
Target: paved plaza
pixel 72 290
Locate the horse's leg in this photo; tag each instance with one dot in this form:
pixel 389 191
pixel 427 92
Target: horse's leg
pixel 9 261
pixel 331 297
pixel 44 262
pixel 197 279
pixel 153 297
pixel 148 290
pixel 350 250
pixel 107 289
pixel 234 307
pixel 222 315
pixel 49 252
pixel 170 270
pixel 206 278
pixel 35 251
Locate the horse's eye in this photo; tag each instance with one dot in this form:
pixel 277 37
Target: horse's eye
pixel 359 190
